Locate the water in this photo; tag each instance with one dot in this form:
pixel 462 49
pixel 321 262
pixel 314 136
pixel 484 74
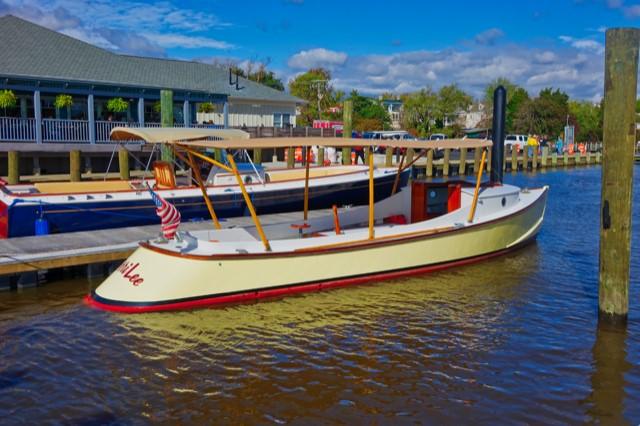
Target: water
pixel 511 340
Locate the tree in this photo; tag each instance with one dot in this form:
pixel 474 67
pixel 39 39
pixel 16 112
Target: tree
pixel 420 110
pixel 7 100
pixel 260 75
pixel 587 119
pixel 314 87
pixel 491 87
pixel 518 98
pixel 450 100
pixel 370 112
pixel 544 115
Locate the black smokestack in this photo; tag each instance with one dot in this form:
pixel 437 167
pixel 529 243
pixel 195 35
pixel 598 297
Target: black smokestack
pixel 497 151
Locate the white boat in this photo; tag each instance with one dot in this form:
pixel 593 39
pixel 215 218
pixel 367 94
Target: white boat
pixel 441 225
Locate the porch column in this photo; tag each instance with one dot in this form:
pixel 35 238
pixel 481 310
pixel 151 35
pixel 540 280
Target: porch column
pixel 225 115
pixel 186 113
pixel 37 108
pixel 141 111
pixel 91 113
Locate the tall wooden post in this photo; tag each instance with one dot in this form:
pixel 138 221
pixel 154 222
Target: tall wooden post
pixel 166 114
pixel 14 167
pixel 291 157
pixel 445 162
pixel 257 156
pixel 462 166
pixel 74 165
pixel 388 157
pixel 320 159
pixel 429 171
pixel 619 128
pixel 347 127
pixel 123 162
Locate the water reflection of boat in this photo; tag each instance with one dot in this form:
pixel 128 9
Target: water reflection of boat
pixel 442 225
pixel 481 298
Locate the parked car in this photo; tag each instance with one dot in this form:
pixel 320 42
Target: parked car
pixel 437 137
pixel 520 141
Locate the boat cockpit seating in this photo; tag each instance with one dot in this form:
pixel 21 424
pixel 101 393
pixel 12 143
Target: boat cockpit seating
pixel 164 175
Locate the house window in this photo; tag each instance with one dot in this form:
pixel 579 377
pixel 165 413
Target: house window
pixel 281 120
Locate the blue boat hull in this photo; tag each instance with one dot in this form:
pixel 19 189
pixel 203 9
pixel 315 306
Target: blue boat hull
pixel 73 217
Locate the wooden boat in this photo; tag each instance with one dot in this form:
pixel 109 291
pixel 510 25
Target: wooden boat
pixel 422 228
pixel 82 206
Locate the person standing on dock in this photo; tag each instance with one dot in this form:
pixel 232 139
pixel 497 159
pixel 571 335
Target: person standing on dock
pixel 559 145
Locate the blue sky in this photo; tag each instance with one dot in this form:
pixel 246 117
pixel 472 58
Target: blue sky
pixel 373 46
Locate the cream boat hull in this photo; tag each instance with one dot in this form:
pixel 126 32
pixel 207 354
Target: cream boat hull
pixel 154 279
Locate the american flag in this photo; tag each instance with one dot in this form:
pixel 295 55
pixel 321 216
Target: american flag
pixel 169 215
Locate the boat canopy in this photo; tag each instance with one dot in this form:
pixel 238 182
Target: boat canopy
pixel 237 139
pixel 174 134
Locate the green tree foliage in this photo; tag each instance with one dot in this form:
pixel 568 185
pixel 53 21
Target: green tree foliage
pixel 491 87
pixel 544 115
pixel 450 101
pixel 587 119
pixel 261 75
pixel 516 98
pixel 420 110
pixel 206 107
pixel 368 113
pixel 308 86
pixel 117 105
pixel 8 100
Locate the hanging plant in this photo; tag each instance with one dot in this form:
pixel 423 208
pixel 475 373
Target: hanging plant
pixel 63 101
pixel 206 107
pixel 7 100
pixel 157 107
pixel 117 105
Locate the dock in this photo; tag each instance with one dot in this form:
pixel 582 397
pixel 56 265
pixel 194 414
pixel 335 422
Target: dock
pixel 24 260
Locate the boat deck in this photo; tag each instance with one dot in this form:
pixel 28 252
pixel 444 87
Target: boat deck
pixel 82 248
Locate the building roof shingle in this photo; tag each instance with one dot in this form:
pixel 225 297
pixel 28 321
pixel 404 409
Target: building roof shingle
pixel 28 50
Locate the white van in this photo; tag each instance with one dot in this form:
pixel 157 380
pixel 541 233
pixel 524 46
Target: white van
pixel 520 141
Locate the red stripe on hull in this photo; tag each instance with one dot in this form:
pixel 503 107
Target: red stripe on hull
pixel 292 289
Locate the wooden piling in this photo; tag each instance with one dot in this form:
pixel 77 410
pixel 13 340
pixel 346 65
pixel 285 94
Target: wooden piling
pixel 514 158
pixel 429 170
pixel 320 159
pixel 534 160
pixel 366 155
pixel 487 167
pixel 257 156
pixel 388 157
pixel 74 165
pixel 565 159
pixel 445 163
pixel 462 167
pixel 619 129
pixel 409 156
pixel 477 156
pixel 123 163
pixel 14 167
pixel 347 126
pixel 291 157
pixel 588 157
pixel 554 159
pixel 525 159
pixel 545 154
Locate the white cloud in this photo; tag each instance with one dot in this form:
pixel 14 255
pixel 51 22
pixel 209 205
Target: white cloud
pixel 584 43
pixel 489 37
pixel 319 57
pixel 125 27
pixel 187 41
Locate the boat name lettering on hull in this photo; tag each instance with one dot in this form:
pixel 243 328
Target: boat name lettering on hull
pixel 126 269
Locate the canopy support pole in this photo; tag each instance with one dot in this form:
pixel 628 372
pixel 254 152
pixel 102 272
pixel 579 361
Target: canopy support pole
pixel 397 179
pixel 247 200
pixel 371 196
pixel 306 183
pixel 203 189
pixel 477 191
